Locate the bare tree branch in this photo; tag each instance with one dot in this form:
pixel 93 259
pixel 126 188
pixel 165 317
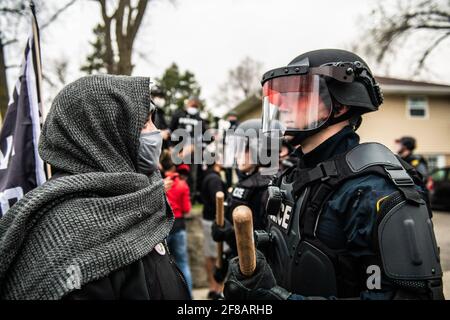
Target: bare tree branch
pixel 57 13
pixel 142 5
pixel 8 42
pixel 48 80
pixel 12 66
pixel 242 82
pixel 109 53
pixel 431 27
pixel 390 29
pixel 12 10
pixel 427 52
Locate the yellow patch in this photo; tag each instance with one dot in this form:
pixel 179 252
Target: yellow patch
pixel 379 203
pixel 415 163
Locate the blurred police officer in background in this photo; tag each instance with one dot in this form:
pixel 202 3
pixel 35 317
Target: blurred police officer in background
pixel 251 190
pixel 405 149
pixel 350 220
pixel 233 124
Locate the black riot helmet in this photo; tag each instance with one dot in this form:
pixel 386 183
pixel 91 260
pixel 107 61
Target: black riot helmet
pixel 254 146
pixel 304 95
pixel 408 142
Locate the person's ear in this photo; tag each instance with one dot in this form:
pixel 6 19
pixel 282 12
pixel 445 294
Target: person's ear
pixel 340 110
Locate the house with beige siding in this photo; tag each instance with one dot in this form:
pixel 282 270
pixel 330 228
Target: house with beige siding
pixel 411 108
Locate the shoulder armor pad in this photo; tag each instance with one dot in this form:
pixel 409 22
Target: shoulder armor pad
pixel 370 154
pixel 407 242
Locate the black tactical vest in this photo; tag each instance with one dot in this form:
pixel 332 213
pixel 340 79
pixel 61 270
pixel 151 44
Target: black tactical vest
pixel 302 264
pixel 251 192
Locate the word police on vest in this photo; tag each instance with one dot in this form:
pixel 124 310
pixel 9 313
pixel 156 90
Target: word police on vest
pixel 284 217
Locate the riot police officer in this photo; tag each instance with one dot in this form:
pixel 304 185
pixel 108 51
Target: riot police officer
pixel 349 221
pixel 251 190
pixel 233 123
pixel 405 149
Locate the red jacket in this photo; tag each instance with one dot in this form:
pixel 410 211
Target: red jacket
pixel 178 196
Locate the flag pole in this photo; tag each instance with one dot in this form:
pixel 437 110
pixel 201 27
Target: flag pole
pixel 37 45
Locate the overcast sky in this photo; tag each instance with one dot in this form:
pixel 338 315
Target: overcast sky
pixel 208 37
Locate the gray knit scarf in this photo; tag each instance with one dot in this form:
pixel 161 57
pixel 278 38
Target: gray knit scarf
pixel 103 215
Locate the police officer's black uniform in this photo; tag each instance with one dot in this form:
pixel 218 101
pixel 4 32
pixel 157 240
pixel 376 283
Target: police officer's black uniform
pixel 416 161
pixel 184 120
pixel 229 171
pixel 250 191
pixel 350 221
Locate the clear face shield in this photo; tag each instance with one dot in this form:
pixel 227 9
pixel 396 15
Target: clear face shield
pixel 295 103
pixel 296 98
pixel 239 149
pixel 247 149
pixel 246 152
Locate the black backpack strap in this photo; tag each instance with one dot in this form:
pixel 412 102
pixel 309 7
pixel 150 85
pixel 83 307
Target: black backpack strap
pixel 322 172
pixel 320 193
pixel 364 159
pixel 276 181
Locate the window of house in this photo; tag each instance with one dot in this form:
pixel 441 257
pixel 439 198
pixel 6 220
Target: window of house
pixel 435 161
pixel 417 107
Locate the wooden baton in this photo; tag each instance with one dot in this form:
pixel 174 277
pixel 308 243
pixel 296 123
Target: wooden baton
pixel 220 221
pixel 243 228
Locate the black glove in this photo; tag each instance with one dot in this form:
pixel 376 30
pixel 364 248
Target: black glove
pixel 260 286
pixel 221 273
pixel 225 233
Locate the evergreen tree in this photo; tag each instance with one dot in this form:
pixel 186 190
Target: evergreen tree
pixel 95 62
pixel 178 86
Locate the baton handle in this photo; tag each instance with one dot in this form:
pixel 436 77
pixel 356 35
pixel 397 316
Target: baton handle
pixel 220 221
pixel 243 226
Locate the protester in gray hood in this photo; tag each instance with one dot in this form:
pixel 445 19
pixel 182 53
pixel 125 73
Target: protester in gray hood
pixel 97 229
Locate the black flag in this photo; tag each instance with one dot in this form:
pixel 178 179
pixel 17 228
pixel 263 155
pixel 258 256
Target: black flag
pixel 21 168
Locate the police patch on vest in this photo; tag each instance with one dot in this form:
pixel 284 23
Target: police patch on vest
pixel 283 219
pixel 240 193
pixel 188 121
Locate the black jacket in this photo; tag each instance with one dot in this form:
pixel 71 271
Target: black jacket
pixel 251 191
pixel 419 163
pixel 160 119
pixel 211 184
pixel 183 120
pixel 154 277
pixel 347 223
